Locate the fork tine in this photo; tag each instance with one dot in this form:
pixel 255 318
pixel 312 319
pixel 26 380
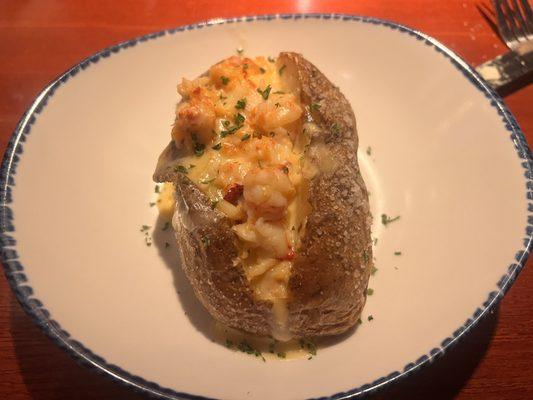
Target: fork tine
pixel 520 19
pixel 528 14
pixel 505 32
pixel 518 33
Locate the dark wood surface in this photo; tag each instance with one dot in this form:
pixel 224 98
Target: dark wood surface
pixel 41 39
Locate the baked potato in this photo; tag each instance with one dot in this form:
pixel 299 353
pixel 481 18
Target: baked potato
pixel 272 216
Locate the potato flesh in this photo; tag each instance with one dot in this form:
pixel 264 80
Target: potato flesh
pixel 242 125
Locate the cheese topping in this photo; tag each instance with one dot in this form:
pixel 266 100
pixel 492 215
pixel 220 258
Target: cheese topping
pixel 241 127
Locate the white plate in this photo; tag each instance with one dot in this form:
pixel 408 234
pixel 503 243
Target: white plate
pixel 446 155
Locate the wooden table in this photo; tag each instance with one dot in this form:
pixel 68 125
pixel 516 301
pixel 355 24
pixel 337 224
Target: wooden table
pixel 41 39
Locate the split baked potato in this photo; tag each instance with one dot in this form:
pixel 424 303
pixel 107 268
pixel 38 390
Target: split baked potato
pixel 272 216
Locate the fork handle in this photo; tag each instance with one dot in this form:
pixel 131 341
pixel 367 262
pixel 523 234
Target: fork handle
pixel 506 68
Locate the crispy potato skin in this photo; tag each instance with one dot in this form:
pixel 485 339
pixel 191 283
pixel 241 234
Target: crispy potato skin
pixel 330 273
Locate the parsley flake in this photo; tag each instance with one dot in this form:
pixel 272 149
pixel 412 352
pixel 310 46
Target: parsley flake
pixel 167 225
pixel 314 106
pixel 385 219
pixel 144 228
pixel 369 291
pixel 397 253
pixel 199 149
pixel 167 245
pixel 265 93
pixel 224 79
pixel 214 204
pixel 370 318
pixel 241 104
pixel 181 168
pixel 285 169
pixel 282 69
pixel 157 188
pixel 262 70
pixel 244 137
pixel 374 270
pixel 369 150
pixel 239 119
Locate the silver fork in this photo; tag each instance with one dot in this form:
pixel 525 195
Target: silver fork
pixel 515 23
pixel 514 68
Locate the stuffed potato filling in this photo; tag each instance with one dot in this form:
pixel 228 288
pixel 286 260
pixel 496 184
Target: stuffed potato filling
pixel 241 127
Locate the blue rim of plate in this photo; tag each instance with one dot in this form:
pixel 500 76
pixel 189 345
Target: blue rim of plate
pixel 41 316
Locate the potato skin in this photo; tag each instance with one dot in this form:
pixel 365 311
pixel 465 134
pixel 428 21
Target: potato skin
pixel 329 277
pixel 330 274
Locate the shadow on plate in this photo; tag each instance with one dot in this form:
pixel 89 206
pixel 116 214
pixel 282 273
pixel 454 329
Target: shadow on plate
pixel 163 240
pixel 48 373
pixel 445 377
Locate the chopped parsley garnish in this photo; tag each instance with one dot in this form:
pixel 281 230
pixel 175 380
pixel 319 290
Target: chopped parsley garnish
pixel 281 354
pixel 167 245
pixel 397 253
pixel 277 105
pixel 244 137
pixel 265 93
pixel 214 204
pixel 226 123
pixel 375 241
pixel 282 69
pixel 230 131
pixel 241 104
pixel 167 225
pixel 314 106
pixel 151 204
pixel 262 70
pixel 374 270
pixel 278 92
pixel 271 59
pixel 144 228
pixel 370 291
pixel 224 79
pixel 309 346
pixel 199 149
pixel 229 344
pixel 156 189
pixel 335 128
pixel 239 119
pixel 370 318
pixel 245 66
pixel 222 97
pixel 385 219
pixel 245 347
pixel 359 321
pixel 206 240
pixel 217 146
pixel 369 150
pixel 256 135
pixel 206 181
pixel 181 168
pixel 285 169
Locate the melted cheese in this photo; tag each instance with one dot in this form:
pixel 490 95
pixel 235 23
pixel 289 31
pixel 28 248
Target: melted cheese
pixel 242 124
